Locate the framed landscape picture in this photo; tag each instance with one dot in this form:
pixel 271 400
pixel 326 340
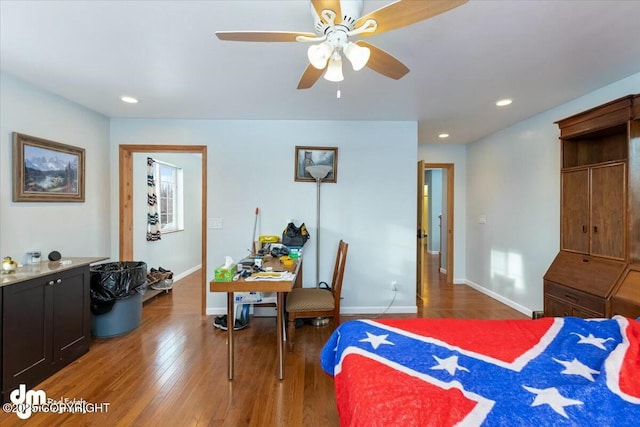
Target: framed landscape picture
pixel 46 171
pixel 316 156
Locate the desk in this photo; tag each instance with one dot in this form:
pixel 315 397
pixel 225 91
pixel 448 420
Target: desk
pixel 242 285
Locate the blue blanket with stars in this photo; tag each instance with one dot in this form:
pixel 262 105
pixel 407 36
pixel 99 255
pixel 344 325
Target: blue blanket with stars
pixel 446 372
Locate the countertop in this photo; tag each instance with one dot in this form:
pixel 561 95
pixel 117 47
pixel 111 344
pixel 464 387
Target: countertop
pixel 31 271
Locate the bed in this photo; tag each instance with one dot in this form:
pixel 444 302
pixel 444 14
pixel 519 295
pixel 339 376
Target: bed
pixel 445 372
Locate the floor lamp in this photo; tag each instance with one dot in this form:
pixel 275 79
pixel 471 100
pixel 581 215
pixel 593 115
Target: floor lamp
pixel 319 172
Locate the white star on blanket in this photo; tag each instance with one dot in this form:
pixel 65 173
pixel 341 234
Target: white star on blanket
pixel 575 367
pixel 376 340
pixel 591 339
pixel 551 396
pixel 449 364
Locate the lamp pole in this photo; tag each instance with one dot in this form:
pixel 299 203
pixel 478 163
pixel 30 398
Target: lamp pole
pixel 319 172
pixel 318 181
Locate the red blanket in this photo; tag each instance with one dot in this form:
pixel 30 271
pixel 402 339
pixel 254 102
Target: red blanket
pixel 445 372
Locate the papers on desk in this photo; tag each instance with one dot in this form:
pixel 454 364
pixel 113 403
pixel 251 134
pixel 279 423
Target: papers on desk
pixel 276 276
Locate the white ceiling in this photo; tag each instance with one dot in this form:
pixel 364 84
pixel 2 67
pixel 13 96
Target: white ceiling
pixel 540 53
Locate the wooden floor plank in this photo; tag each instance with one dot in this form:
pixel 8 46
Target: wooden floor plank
pixel 172 370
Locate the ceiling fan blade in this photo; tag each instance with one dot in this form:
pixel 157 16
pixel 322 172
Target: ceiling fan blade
pixel 309 77
pixel 320 5
pixel 261 36
pixel 383 62
pixel 406 12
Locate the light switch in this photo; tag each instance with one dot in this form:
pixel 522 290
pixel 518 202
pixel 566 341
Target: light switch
pixel 215 223
pixel 482 219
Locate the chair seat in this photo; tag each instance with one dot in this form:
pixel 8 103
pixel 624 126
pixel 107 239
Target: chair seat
pixel 309 299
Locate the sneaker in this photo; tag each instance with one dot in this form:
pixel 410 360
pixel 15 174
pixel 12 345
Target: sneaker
pixel 168 274
pixel 220 322
pixel 240 324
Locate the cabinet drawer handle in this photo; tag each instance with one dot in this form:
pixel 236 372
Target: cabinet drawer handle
pixel 59 281
pixel 595 228
pixel 571 297
pixel 585 259
pixel 50 283
pixel 584 228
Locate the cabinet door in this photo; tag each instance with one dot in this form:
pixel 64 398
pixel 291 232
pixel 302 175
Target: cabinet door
pixel 575 211
pixel 26 333
pixel 608 211
pixel 556 308
pixel 71 316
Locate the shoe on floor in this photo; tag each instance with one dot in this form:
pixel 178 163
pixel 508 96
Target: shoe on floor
pixel 220 322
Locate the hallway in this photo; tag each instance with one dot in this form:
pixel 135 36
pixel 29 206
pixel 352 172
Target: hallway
pixel 458 300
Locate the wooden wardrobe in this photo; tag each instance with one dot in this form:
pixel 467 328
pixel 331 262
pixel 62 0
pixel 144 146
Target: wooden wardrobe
pixel 597 271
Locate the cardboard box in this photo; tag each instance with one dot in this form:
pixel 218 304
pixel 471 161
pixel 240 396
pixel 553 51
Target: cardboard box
pixel 225 274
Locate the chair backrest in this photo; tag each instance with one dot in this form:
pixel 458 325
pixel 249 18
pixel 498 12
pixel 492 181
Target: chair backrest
pixel 338 271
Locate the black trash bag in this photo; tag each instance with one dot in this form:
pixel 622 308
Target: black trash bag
pixel 295 236
pixel 115 280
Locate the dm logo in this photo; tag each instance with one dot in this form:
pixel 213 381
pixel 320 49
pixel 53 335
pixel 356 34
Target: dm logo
pixel 26 400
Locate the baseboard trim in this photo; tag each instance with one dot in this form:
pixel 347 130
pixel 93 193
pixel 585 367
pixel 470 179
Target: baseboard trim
pixel 522 309
pixel 406 309
pixel 186 273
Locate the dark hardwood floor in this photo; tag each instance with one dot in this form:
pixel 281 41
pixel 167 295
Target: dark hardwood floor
pixel 172 370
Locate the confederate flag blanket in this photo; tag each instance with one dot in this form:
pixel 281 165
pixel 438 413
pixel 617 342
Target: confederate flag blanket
pixel 446 372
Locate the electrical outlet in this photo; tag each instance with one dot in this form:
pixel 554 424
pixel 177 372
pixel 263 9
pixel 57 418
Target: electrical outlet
pixel 394 286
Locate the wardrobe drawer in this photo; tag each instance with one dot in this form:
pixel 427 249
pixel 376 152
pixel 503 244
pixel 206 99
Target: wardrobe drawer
pixel 575 298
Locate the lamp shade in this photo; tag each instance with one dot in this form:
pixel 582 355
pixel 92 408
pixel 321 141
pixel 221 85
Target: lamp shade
pixel 319 171
pixel 358 55
pixel 334 70
pixel 319 54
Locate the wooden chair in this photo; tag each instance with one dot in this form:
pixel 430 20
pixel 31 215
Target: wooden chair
pixel 305 303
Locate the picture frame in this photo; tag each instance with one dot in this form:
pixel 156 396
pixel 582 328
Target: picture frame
pixel 47 171
pixel 307 156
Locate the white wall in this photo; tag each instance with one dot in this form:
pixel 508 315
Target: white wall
pixel 73 229
pixel 456 154
pixel 177 251
pixel 513 178
pixel 250 164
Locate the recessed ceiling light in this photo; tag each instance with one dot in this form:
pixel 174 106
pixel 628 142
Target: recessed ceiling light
pixel 443 135
pixel 129 99
pixel 504 102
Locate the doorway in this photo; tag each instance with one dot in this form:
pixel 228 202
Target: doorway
pixel 443 224
pixel 126 201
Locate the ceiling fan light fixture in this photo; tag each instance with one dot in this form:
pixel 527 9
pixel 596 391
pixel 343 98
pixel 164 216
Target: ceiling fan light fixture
pixel 334 70
pixel 357 55
pixel 319 54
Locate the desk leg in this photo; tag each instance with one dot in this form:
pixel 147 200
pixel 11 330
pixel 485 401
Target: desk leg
pixel 280 335
pixel 231 318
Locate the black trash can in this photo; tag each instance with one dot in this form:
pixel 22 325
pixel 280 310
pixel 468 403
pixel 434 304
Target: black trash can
pixel 116 297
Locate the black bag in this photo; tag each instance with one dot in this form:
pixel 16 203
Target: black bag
pixel 295 236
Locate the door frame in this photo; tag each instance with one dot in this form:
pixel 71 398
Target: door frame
pixel 450 206
pixel 126 202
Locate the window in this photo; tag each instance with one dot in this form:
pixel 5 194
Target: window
pixel 170 203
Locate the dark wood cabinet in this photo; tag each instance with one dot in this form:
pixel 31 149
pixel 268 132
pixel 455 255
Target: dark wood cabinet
pixel 575 210
pixel 593 210
pixel 46 324
pixel 599 210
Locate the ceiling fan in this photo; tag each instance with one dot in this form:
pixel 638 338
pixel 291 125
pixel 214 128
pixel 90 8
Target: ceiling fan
pixel 338 20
